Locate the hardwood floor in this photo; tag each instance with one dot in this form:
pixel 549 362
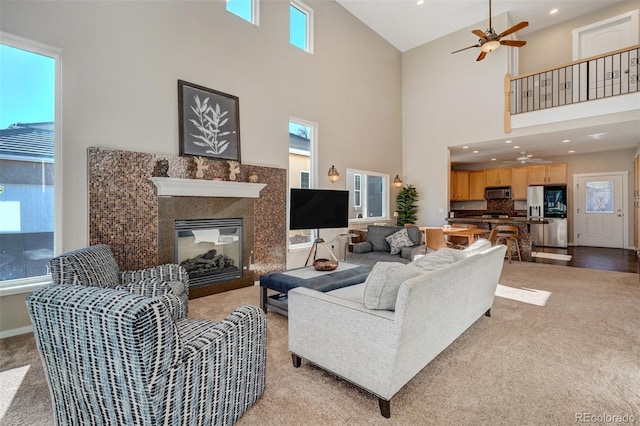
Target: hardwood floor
pixel 608 259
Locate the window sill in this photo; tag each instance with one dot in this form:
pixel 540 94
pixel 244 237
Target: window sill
pixel 23 287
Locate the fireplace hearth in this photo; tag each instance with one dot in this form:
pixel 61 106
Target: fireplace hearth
pixel 210 250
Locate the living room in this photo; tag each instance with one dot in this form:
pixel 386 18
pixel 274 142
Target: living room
pixel 377 108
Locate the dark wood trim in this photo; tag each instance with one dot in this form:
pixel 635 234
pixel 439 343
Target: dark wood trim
pixel 385 407
pixel 246 281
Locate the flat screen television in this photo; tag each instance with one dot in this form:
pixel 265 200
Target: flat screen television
pixel 318 209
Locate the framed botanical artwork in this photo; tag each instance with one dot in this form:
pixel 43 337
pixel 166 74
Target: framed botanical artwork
pixel 209 122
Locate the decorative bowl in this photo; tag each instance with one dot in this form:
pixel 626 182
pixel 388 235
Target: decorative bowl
pixel 325 264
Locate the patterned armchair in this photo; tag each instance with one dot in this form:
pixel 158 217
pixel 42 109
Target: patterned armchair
pixel 112 357
pixel 95 266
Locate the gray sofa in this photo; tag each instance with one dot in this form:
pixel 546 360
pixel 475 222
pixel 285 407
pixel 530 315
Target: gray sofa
pixel 376 248
pixel 430 302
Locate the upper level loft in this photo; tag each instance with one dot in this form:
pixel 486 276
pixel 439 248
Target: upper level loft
pixel 598 85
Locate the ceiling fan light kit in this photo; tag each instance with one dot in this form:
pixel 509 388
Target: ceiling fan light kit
pixel 489 40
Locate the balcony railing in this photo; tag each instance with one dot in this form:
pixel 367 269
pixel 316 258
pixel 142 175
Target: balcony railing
pixel 598 77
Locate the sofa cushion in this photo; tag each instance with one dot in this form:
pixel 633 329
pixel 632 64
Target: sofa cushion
pixel 479 245
pixel 383 282
pixel 376 235
pixel 398 240
pixel 437 259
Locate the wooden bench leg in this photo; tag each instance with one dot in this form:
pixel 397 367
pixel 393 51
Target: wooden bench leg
pixel 297 361
pixel 488 313
pixel 385 407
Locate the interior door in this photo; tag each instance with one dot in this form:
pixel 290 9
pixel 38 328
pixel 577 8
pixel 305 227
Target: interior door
pixel 600 201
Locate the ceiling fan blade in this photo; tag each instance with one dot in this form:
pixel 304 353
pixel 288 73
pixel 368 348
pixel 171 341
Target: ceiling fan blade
pixel 469 47
pixel 513 43
pixel 481 56
pixel 479 33
pixel 513 29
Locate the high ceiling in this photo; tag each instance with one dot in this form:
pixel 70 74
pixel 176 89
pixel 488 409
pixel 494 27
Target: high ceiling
pixel 406 24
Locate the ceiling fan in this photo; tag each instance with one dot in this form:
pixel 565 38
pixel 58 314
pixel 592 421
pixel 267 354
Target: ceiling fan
pixel 527 158
pixel 490 40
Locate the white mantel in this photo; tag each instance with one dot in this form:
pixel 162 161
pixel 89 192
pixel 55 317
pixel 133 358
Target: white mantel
pixel 177 187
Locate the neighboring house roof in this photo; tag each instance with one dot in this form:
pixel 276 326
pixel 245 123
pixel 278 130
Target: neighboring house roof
pixel 298 142
pixel 27 141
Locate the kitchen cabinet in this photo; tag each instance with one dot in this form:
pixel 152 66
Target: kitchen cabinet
pixel 477 182
pixel 548 175
pixel 519 183
pixel 459 185
pixel 498 177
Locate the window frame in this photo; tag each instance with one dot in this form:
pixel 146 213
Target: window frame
pixel 23 285
pixel 313 176
pixel 357 178
pixel 308 12
pixel 385 187
pixel 255 13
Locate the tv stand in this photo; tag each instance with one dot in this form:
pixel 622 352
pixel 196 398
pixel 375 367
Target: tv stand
pixel 314 250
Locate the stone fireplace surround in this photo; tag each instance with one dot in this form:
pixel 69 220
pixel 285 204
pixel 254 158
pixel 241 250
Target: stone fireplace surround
pixel 126 213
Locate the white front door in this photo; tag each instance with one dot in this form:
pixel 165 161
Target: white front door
pixel 600 201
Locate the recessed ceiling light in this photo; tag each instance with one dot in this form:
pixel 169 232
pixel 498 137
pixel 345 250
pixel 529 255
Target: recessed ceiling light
pixel 508 141
pixel 493 159
pixel 516 147
pixel 465 147
pixel 420 2
pixel 597 135
pixel 571 152
pixel 566 141
pixel 553 11
pixel 475 152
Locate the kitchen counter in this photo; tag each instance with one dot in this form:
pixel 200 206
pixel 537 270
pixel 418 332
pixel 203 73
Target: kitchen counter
pixel 524 230
pixel 495 220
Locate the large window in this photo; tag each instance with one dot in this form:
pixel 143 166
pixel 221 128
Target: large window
pixel 368 194
pixel 246 9
pixel 301 26
pixel 301 168
pixel 29 83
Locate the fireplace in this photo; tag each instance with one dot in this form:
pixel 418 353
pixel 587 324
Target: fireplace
pixel 210 250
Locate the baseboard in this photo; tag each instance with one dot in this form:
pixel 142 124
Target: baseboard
pixel 16 331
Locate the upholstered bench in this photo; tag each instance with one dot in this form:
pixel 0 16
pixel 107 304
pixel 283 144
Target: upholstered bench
pixel 344 275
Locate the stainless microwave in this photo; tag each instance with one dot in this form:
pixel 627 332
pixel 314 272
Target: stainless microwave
pixel 498 193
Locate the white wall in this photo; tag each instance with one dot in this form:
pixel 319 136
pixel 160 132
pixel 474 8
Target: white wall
pixel 121 62
pixel 538 55
pixel 448 99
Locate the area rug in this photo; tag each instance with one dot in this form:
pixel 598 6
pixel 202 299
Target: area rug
pixel 553 256
pixel 526 295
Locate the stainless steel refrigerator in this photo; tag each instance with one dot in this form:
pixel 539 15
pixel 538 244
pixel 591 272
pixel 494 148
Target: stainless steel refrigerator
pixel 548 203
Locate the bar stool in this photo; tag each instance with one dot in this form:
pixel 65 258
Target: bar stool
pixel 508 234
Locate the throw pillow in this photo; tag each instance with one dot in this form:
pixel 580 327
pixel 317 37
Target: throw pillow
pixel 399 240
pixel 382 285
pixel 436 260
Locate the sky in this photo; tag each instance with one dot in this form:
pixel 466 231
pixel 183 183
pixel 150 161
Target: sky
pixel 27 87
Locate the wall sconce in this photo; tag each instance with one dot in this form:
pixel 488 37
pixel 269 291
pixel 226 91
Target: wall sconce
pixel 397 182
pixel 333 174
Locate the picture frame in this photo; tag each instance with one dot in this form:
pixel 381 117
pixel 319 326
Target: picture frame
pixel 209 122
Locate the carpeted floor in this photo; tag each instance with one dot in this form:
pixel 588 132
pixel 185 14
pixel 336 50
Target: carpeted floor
pixel 578 355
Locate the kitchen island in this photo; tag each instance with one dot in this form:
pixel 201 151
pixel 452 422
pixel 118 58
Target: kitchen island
pixel 523 224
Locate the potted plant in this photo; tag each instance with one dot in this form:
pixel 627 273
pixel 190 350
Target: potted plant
pixel 407 209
